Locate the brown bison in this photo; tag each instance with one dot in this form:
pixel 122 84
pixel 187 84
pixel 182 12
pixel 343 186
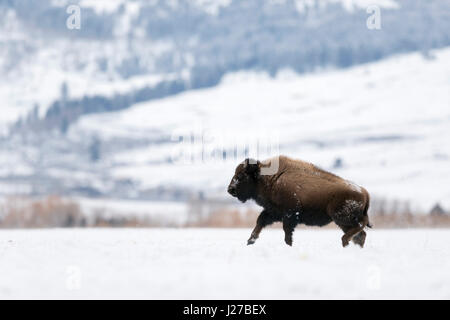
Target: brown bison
pixel 301 193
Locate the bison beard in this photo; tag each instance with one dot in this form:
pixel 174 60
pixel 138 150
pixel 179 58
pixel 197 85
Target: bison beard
pixel 301 193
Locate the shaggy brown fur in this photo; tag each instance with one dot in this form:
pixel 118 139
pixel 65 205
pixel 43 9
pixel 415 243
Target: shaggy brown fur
pixel 301 193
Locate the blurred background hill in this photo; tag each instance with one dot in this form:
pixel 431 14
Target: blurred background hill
pixel 95 114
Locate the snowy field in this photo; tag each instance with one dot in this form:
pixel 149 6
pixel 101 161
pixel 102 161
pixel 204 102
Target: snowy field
pixel 209 264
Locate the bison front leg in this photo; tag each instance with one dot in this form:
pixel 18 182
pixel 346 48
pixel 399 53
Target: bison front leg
pixel 264 220
pixel 289 224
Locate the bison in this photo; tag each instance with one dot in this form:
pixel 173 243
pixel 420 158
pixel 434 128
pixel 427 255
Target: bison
pixel 302 193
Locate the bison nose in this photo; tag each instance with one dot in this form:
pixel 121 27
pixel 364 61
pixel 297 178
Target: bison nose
pixel 232 190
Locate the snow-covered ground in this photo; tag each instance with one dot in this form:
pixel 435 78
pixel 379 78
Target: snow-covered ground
pixel 207 264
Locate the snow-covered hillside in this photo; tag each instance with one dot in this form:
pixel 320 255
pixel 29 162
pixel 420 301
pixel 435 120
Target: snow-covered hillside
pixel 213 6
pixel 216 264
pixel 386 123
pixel 126 45
pixel 83 114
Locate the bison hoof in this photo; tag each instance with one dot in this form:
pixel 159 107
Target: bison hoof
pixel 358 242
pixel 251 241
pixel 345 242
pixel 288 242
pixel 360 239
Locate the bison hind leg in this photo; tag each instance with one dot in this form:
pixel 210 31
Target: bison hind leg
pixel 349 233
pixel 355 232
pixel 350 217
pixel 360 239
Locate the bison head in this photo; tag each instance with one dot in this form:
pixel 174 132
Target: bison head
pixel 243 184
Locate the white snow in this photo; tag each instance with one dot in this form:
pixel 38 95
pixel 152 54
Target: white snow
pixel 217 264
pixel 103 6
pixel 349 5
pixel 213 6
pixel 354 186
pixel 109 6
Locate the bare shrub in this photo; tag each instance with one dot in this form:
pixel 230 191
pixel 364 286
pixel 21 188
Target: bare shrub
pixel 383 213
pixel 227 219
pixel 103 219
pixel 56 212
pixel 52 211
pixel 398 214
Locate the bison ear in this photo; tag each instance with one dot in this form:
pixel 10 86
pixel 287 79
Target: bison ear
pixel 252 167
